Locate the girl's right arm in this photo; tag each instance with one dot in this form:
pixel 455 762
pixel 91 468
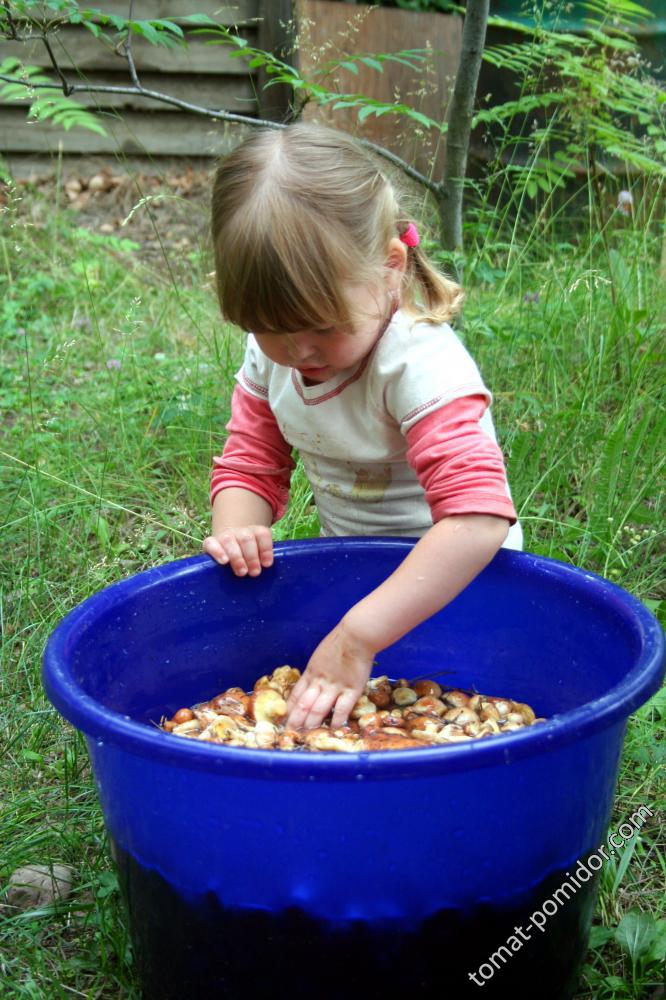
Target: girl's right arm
pixel 249 487
pixel 241 534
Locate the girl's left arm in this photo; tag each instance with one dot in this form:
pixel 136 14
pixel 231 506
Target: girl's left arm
pixel 437 569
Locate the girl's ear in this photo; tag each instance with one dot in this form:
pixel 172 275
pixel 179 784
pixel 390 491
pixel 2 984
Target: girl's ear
pixel 396 262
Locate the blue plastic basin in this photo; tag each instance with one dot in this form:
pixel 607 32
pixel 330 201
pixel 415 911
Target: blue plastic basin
pixel 250 872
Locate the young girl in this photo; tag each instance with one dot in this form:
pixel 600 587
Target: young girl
pixel 351 362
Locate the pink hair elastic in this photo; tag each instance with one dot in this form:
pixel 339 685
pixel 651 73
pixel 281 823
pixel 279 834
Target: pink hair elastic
pixel 410 236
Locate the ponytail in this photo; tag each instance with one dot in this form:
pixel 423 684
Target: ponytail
pixel 441 297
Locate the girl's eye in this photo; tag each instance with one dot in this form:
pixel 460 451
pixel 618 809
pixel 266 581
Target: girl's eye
pixel 328 329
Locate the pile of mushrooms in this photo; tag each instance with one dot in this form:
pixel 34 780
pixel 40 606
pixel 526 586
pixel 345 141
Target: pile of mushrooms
pixel 390 715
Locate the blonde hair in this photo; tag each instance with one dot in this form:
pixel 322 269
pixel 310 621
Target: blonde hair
pixel 299 212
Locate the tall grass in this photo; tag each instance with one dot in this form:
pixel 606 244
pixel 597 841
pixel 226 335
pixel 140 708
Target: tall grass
pixel 115 383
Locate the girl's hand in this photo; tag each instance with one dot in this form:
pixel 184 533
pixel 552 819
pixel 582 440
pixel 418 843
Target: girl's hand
pixel 335 677
pixel 247 550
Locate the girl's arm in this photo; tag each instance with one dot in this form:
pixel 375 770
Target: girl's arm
pixel 438 568
pixel 235 507
pixel 249 487
pixel 241 531
pixel 462 473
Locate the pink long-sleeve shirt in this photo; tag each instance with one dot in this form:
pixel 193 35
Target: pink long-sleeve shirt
pixel 459 467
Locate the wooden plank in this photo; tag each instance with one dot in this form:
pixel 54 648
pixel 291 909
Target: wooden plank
pixel 243 12
pixel 75 48
pixel 333 30
pixel 139 133
pixel 240 12
pixel 216 92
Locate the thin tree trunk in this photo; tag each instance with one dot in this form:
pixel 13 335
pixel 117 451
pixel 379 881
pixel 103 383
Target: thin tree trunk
pixel 460 124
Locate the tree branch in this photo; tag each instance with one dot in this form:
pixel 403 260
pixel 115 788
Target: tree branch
pixel 460 123
pixel 13 35
pixel 128 49
pixel 138 90
pixel 66 87
pixel 406 168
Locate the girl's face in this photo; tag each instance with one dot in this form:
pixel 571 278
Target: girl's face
pixel 320 354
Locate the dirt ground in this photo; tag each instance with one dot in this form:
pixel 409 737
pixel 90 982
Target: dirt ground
pixel 155 204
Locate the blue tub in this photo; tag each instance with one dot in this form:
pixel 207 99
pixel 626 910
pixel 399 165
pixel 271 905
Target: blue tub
pixel 434 873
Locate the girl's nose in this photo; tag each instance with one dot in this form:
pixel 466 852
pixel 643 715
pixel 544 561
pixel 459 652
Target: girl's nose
pixel 299 346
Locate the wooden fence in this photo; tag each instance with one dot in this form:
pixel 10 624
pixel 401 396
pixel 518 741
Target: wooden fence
pixel 204 74
pixel 329 30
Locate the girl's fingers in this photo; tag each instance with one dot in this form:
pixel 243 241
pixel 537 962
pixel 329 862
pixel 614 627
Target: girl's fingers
pixel 265 546
pixel 302 705
pixel 299 687
pixel 212 547
pixel 343 707
pixel 320 708
pixel 233 552
pixel 246 549
pixel 248 546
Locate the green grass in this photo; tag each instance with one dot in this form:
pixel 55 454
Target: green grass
pixel 104 471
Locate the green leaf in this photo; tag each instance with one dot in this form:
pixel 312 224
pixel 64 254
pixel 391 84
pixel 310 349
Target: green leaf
pixel 352 67
pixel 656 706
pixel 9 65
pixel 616 984
pixel 199 19
pixel 372 63
pixel 635 933
pixel 163 24
pixel 417 116
pixel 599 936
pixel 108 884
pixel 625 855
pixel 102 531
pixel 657 949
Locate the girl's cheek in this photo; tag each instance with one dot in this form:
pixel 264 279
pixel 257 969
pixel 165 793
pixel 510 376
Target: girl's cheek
pixel 276 352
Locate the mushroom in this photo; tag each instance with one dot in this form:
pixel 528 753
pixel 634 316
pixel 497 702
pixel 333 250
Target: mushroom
pixel 266 735
pixel 266 705
pixel 461 716
pixel 283 679
pixel 425 688
pixel 322 739
pixel 378 690
pixel 388 716
pixel 456 699
pixel 363 707
pixel 404 696
pixel 190 728
pixel 370 721
pixel 526 712
pixel 391 741
pixel 429 704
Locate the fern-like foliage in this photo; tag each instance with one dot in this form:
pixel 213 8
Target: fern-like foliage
pixel 51 14
pixel 48 105
pixel 580 95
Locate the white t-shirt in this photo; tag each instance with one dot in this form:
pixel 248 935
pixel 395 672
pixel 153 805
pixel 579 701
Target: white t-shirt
pixel 350 430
